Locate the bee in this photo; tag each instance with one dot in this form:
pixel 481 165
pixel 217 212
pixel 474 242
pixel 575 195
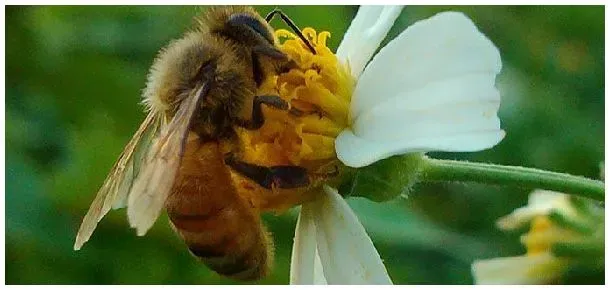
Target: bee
pixel 200 88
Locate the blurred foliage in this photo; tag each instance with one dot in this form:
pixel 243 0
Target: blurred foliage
pixel 73 81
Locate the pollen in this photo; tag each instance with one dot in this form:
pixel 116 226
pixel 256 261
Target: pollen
pixel 318 88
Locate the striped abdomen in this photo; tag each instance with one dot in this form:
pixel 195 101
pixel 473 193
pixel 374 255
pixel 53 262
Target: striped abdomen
pixel 216 224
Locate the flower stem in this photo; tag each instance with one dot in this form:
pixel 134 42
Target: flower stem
pixel 452 170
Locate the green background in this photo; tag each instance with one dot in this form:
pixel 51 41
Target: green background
pixel 73 81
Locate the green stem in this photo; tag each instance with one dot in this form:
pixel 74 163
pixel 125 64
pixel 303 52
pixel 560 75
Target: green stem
pixel 451 170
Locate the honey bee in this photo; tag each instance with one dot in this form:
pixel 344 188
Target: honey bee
pixel 200 88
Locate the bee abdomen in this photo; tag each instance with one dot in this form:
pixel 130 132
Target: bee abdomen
pixel 249 264
pixel 214 221
pixel 234 251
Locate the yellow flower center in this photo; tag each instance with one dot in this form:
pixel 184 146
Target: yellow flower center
pixel 537 240
pixel 318 89
pixel 543 234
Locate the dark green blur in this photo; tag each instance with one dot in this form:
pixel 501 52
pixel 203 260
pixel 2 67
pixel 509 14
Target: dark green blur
pixel 73 81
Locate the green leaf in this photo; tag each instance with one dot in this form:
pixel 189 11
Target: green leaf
pixel 383 180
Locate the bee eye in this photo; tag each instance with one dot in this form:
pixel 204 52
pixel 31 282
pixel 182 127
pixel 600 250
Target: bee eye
pixel 252 23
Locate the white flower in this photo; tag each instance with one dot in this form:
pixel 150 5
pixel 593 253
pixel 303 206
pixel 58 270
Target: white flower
pixel 431 88
pixel 540 265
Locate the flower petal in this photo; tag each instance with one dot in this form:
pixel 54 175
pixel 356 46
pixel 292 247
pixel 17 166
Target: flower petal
pixel 347 253
pixel 304 248
pixel 540 202
pixel 538 269
pixel 318 271
pixel 364 35
pixel 455 106
pixel 440 92
pixel 444 46
pixel 354 151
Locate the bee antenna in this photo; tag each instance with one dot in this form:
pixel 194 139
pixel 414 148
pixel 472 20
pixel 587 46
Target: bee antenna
pixel 292 26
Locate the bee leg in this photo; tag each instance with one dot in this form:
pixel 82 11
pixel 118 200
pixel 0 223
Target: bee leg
pixel 270 177
pixel 258 119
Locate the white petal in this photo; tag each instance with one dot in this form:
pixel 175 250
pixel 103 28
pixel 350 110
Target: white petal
pixel 364 35
pixel 538 269
pixel 454 106
pixel 354 151
pixel 543 200
pixel 442 47
pixel 540 202
pixel 347 253
pixel 318 271
pixel 430 89
pixel 304 248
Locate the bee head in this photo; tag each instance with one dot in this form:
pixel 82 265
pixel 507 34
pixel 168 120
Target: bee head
pixel 241 24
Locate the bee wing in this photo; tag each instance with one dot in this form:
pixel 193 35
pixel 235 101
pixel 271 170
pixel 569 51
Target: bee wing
pixel 134 166
pixel 120 180
pixel 153 186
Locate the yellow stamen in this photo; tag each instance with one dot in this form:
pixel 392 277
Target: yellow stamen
pixel 318 90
